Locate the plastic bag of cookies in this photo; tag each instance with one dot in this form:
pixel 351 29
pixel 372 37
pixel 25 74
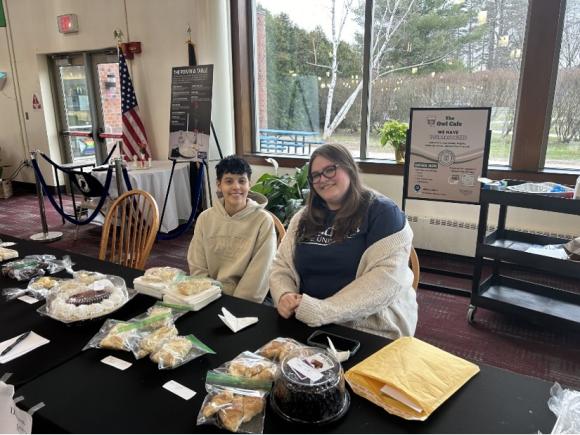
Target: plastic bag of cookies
pixel 235 409
pixel 278 348
pixel 178 350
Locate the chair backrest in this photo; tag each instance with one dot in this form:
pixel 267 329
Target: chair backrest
pixel 280 230
pixel 88 184
pixel 130 229
pixel 414 265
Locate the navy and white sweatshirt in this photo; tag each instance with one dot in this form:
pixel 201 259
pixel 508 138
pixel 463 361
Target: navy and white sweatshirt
pixel 325 266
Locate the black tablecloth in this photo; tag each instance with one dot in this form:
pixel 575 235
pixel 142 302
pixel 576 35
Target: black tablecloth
pixel 84 395
pixel 66 341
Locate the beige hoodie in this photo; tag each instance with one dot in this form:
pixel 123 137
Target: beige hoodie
pixel 235 250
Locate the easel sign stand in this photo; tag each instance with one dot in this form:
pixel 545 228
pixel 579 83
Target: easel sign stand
pixel 447 151
pixel 46 236
pixel 192 169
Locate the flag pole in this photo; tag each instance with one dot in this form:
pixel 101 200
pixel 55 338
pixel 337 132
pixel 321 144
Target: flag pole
pixel 118 35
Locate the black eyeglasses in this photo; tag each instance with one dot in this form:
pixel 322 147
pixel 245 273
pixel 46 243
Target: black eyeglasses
pixel 328 172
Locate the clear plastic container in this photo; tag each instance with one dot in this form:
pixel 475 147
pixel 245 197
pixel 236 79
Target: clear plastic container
pixel 310 388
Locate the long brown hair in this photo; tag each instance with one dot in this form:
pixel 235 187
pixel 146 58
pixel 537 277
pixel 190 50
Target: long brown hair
pixel 355 204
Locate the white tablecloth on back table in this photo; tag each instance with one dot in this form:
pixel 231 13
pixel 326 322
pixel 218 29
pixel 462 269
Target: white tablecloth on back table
pixel 155 181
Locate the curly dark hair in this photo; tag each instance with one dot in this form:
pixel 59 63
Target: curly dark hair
pixel 233 165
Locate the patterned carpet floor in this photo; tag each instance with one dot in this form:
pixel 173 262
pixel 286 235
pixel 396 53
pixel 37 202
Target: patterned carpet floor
pixel 495 339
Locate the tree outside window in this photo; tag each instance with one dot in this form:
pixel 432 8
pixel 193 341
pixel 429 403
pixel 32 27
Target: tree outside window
pixel 424 53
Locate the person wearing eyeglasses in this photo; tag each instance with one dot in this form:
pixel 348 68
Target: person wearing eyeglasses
pixel 345 257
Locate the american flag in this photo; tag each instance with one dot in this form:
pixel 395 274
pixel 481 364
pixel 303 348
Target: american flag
pixel 134 137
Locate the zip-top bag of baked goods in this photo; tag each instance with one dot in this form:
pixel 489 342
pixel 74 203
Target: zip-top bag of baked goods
pixel 247 370
pixel 130 335
pixel 194 291
pixel 237 410
pixel 157 280
pixel 115 335
pixel 38 288
pixel 176 351
pixel 278 348
pixel 36 265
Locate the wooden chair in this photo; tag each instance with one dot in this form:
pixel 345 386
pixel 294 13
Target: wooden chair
pixel 130 229
pixel 414 265
pixel 280 230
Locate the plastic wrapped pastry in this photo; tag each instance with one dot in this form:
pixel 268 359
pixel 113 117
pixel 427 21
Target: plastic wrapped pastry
pixel 157 280
pixel 76 300
pixel 252 366
pixel 193 286
pixel 114 334
pixel 38 288
pixel 234 409
pixel 153 341
pixel 177 351
pixel 35 265
pixel 172 352
pixel 278 348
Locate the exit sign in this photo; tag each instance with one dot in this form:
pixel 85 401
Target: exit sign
pixel 68 23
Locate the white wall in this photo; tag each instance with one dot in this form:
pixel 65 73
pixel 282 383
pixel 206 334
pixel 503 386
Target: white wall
pixel 161 28
pixel 10 139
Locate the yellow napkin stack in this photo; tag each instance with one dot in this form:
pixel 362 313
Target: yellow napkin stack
pixel 410 378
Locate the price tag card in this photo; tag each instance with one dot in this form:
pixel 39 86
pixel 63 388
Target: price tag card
pixel 28 299
pixel 116 362
pixel 179 390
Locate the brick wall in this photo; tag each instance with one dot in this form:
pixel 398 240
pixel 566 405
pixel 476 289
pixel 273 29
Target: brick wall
pixel 110 96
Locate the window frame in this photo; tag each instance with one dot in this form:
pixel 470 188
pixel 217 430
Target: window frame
pixel 544 26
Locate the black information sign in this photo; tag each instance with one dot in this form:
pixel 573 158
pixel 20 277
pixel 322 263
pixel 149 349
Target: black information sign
pixel 190 118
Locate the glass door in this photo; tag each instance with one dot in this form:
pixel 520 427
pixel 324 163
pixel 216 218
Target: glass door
pixel 105 67
pixel 89 104
pixel 76 120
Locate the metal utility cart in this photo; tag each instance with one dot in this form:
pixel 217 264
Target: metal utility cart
pixel 540 303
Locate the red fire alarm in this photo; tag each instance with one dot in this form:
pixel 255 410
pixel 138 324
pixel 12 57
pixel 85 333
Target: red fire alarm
pixel 68 23
pixel 130 48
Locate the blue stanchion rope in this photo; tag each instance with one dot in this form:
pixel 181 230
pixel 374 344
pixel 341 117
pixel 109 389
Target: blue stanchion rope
pixel 195 197
pixel 50 197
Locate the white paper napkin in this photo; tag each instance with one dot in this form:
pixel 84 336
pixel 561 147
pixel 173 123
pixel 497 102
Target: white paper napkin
pixel 236 323
pixel 341 356
pixel 28 344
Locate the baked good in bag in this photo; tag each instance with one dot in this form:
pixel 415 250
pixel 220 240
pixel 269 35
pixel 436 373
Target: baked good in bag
pixel 191 287
pixel 172 352
pixel 278 348
pixel 44 282
pixel 217 402
pixel 116 339
pixel 164 314
pixel 233 409
pixel 162 274
pixel 259 370
pixel 154 340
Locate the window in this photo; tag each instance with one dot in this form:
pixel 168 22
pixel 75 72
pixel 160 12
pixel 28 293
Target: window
pixel 563 150
pixel 308 63
pixel 433 53
pixel 498 53
pixel 447 54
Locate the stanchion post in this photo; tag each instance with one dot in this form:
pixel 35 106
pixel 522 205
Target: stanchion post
pixel 45 236
pixel 118 176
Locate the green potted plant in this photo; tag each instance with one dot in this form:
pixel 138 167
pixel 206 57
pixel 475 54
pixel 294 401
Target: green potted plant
pixel 286 193
pixel 394 133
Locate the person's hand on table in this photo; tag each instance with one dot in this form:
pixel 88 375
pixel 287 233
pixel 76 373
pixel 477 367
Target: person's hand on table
pixel 288 303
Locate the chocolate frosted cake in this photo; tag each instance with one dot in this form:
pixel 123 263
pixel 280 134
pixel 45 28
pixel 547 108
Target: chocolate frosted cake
pixel 310 388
